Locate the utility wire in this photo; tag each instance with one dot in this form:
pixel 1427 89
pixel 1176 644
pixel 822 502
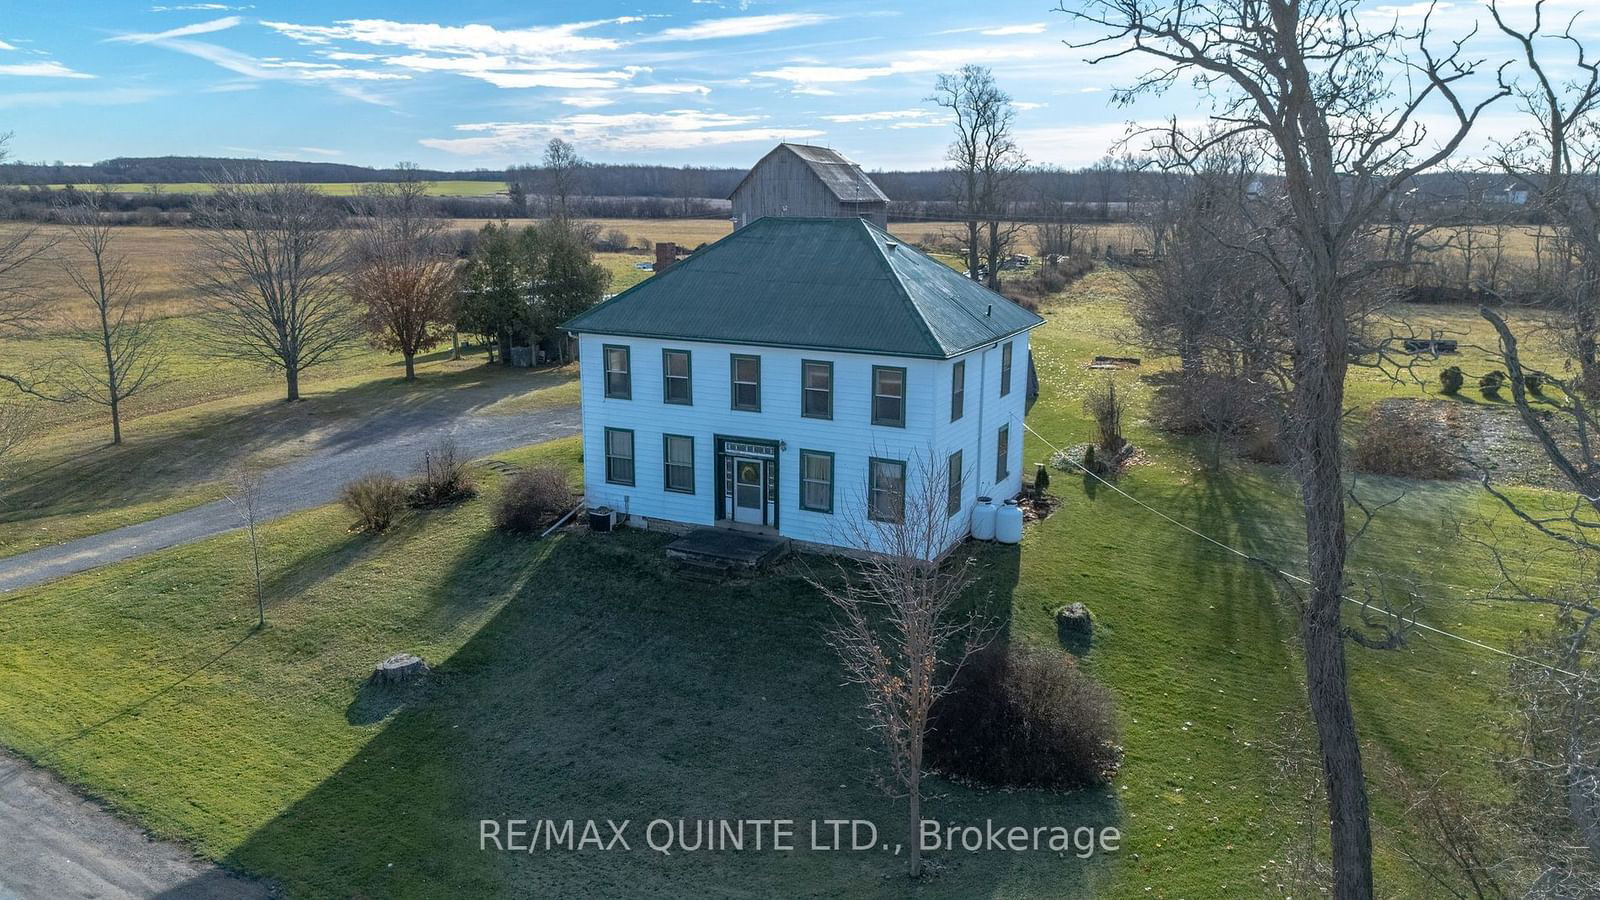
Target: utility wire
pixel 1288 575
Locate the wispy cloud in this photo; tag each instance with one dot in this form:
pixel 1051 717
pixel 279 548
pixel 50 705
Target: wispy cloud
pixel 670 89
pixel 6 46
pixel 739 26
pixel 122 96
pixel 215 25
pixel 541 42
pixel 891 115
pixel 815 78
pixel 586 101
pixel 44 69
pixel 199 7
pixel 624 132
pixel 1005 30
pixel 320 151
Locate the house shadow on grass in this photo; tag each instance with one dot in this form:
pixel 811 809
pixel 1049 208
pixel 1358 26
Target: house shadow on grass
pixel 608 688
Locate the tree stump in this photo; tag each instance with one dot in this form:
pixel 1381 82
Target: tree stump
pixel 397 668
pixel 1075 627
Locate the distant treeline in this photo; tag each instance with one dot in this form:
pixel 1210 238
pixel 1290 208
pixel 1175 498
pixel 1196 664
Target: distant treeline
pixel 1107 191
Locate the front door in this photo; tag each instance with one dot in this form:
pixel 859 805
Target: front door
pixel 750 491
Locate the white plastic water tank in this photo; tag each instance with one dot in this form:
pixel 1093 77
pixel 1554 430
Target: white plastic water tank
pixel 983 520
pixel 1008 523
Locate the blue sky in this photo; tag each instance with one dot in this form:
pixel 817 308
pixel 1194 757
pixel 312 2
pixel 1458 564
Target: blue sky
pixel 467 83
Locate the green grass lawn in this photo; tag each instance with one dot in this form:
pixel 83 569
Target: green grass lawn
pixel 73 483
pixel 579 677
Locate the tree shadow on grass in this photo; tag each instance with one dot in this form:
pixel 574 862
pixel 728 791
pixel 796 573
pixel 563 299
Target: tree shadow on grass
pixel 608 688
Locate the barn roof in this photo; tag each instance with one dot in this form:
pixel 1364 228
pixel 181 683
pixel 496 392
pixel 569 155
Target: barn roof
pixel 843 178
pixel 820 284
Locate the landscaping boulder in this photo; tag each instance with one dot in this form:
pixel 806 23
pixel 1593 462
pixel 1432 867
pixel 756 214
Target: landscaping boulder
pixel 1075 626
pixel 399 667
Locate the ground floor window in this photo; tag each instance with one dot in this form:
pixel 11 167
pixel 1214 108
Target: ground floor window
pixel 952 480
pixel 678 452
pixel 619 456
pixel 886 493
pixel 816 481
pixel 1002 453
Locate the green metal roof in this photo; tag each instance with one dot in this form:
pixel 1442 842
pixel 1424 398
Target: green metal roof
pixel 828 284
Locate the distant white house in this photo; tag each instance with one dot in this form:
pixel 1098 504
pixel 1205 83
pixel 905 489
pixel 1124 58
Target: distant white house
pixel 798 374
pixel 1516 195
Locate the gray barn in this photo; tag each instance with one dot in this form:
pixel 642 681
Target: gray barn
pixel 798 180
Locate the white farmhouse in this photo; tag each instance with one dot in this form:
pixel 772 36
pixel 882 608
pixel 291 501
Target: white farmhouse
pixel 798 372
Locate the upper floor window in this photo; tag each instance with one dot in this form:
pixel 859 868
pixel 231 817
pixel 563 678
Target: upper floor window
pixel 816 389
pixel 746 376
pixel 958 390
pixel 1005 369
pixel 888 396
pixel 619 373
pixel 619 455
pixel 675 387
pixel 886 490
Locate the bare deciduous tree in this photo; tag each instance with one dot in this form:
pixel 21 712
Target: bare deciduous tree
pixel 1557 160
pixel 987 164
pixel 269 272
pixel 21 303
pixel 247 493
pixel 902 634
pixel 127 356
pixel 403 272
pixel 560 175
pixel 1324 94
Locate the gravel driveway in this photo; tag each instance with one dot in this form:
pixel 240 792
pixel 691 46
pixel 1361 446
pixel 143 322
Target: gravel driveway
pixel 57 844
pixel 392 444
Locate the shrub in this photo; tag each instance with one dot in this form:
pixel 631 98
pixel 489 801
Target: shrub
pixel 533 498
pixel 377 500
pixel 1491 383
pixel 443 476
pixel 1106 406
pixel 1451 380
pixel 1202 403
pixel 1534 384
pixel 1027 718
pixel 612 240
pixel 1398 442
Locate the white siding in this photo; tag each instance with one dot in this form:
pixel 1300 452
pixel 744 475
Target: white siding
pixel 849 435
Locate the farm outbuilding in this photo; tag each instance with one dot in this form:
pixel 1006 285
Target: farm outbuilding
pixel 802 181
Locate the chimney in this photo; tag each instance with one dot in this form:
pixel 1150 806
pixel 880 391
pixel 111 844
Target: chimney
pixel 666 255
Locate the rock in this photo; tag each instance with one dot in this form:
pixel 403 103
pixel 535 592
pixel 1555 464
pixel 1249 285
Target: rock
pixel 399 667
pixel 1074 626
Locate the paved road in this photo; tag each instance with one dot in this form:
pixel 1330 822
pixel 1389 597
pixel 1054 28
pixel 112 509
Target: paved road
pixel 394 445
pixel 54 843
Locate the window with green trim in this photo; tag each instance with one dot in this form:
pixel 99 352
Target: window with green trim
pixel 889 396
pixel 816 389
pixel 958 390
pixel 675 384
pixel 619 455
pixel 678 459
pixel 1002 453
pixel 745 373
pixel 953 486
pixel 619 373
pixel 816 481
pixel 886 490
